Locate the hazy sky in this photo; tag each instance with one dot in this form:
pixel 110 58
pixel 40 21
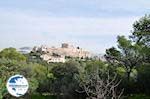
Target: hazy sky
pixel 91 24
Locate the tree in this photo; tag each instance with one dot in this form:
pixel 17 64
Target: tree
pixel 141 31
pixel 127 55
pixel 143 79
pixel 12 54
pixel 7 68
pixel 132 53
pixel 64 83
pixel 98 83
pixel 141 35
pixel 3 89
pixel 35 73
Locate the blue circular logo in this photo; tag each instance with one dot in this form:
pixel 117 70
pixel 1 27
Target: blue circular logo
pixel 17 85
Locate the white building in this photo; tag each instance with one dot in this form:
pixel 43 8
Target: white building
pixel 58 54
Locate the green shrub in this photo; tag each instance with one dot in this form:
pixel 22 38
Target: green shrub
pixel 138 96
pixel 43 97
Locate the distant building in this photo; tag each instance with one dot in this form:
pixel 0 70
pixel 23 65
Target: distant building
pixel 58 54
pixel 55 59
pixel 65 45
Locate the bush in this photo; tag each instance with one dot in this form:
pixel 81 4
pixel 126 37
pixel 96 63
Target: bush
pixel 43 97
pixel 144 79
pixel 138 96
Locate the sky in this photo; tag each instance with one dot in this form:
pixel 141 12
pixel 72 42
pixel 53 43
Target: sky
pixel 90 24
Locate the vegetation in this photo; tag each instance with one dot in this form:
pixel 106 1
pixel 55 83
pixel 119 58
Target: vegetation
pixel 125 74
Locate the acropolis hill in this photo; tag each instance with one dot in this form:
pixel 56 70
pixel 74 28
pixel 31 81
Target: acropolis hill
pixel 53 54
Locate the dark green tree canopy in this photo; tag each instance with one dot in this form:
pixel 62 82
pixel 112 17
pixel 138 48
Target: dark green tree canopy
pixel 12 53
pixel 141 31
